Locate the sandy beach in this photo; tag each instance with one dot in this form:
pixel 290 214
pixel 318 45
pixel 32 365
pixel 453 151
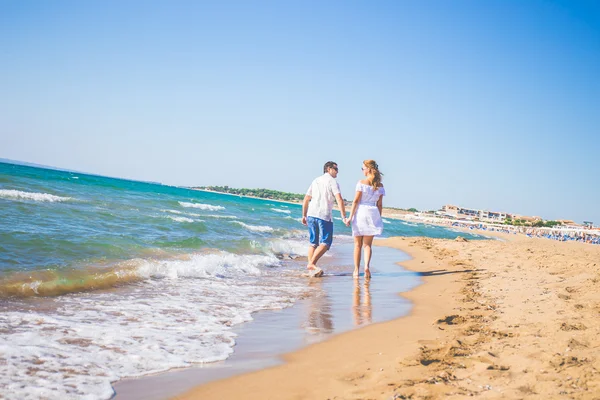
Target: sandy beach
pixel 512 318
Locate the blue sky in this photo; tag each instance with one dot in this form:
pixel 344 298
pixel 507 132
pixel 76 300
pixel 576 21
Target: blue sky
pixel 483 104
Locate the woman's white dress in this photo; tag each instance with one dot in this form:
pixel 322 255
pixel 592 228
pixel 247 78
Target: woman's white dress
pixel 367 220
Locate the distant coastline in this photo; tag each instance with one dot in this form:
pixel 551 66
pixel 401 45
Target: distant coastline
pixel 389 212
pixel 557 232
pixel 204 189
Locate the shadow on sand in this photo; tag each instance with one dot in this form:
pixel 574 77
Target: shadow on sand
pixel 446 272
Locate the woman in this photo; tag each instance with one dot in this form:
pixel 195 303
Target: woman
pixel 365 215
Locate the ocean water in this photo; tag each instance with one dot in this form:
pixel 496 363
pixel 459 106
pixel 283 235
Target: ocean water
pixel 103 279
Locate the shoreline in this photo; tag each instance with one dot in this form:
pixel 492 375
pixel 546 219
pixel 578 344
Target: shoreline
pixel 516 318
pixel 335 304
pixel 337 366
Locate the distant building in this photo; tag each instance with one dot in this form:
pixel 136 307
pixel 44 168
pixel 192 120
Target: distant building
pixel 492 216
pixel 472 214
pixel 460 212
pixel 450 210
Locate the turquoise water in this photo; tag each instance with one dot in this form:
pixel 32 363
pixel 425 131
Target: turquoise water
pixel 60 225
pixel 57 220
pixel 104 278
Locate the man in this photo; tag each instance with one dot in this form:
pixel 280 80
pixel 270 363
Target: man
pixel 316 214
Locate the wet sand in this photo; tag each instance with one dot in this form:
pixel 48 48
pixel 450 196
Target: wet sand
pixel 517 318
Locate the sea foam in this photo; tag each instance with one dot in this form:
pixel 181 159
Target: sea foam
pixel 254 228
pixel 19 195
pixel 201 206
pixel 181 315
pixel 180 219
pixel 290 247
pixel 172 211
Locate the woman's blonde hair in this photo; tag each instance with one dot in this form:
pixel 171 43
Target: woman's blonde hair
pixel 374 174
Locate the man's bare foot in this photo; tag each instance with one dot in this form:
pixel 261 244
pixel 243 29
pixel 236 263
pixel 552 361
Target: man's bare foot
pixel 315 272
pixel 367 273
pixel 311 266
pixel 355 273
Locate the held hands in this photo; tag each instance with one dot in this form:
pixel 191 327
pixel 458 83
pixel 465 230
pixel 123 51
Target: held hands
pixel 346 221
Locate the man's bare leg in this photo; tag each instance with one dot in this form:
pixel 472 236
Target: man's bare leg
pixel 311 252
pixel 318 253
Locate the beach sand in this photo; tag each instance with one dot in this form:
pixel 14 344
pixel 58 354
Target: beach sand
pixel 518 318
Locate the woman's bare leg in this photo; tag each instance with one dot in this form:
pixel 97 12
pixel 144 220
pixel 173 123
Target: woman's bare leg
pixel 358 242
pixel 367 242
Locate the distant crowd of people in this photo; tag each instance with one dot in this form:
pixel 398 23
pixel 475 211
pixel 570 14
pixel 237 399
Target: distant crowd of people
pixel 563 235
pixel 548 233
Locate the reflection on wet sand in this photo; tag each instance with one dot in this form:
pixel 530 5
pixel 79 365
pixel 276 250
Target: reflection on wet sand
pixel 362 309
pixel 320 317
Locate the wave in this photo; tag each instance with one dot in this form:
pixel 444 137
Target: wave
pixel 191 214
pixel 288 247
pixel 172 211
pixel 219 216
pixel 218 264
pixel 385 221
pixel 19 195
pixel 254 228
pixel 58 282
pixel 182 315
pixel 180 219
pixel 201 206
pixel 279 210
pixel 54 283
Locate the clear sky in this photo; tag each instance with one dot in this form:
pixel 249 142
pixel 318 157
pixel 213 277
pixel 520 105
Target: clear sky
pixel 483 104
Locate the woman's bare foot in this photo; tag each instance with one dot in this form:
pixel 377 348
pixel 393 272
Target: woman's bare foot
pixel 355 273
pixel 311 266
pixel 367 273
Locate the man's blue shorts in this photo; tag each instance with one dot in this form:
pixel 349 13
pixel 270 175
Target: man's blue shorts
pixel 320 231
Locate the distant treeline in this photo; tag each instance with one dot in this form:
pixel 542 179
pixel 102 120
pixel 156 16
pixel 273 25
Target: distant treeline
pixel 262 193
pixel 412 209
pixel 539 223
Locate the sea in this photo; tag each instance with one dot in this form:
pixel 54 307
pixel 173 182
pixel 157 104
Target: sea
pixel 103 279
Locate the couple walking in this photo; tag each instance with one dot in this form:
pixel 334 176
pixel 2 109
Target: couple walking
pixel 365 215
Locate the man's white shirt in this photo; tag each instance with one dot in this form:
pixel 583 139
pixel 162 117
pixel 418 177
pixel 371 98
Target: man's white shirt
pixel 322 191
